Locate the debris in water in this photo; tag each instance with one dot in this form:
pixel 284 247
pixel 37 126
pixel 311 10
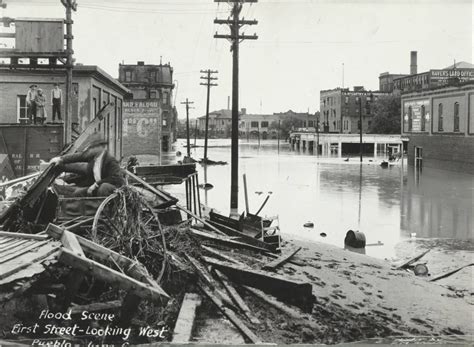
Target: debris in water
pixel 309 225
pixel 206 186
pixel 323 235
pixel 420 270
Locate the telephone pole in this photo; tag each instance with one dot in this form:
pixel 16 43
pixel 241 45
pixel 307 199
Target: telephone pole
pixel 208 77
pixel 187 103
pixel 235 23
pixel 70 6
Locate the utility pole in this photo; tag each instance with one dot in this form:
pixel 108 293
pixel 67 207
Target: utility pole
pixel 187 103
pixel 70 6
pixel 360 128
pixel 235 23
pixel 208 77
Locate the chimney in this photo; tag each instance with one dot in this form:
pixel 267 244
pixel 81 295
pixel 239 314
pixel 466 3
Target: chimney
pixel 413 63
pixel 140 63
pixel 243 111
pixel 228 102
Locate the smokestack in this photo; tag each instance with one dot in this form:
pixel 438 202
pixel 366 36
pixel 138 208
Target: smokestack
pixel 413 63
pixel 228 102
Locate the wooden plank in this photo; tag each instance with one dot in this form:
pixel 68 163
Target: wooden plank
pixel 449 273
pixel 222 255
pixel 227 241
pixel 130 267
pixel 19 264
pixel 290 311
pixel 23 251
pixel 281 260
pixel 70 242
pixel 185 322
pixel 111 276
pixel 237 298
pixel 202 220
pixel 96 307
pixel 231 315
pixel 168 200
pixel 412 260
pixel 12 249
pixel 243 237
pixel 297 292
pixel 23 236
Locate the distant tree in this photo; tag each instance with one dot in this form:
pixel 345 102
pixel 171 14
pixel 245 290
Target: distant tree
pixel 387 115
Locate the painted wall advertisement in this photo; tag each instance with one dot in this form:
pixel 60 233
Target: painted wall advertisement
pixel 418 114
pixel 141 127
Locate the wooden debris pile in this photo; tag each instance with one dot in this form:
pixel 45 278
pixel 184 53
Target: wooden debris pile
pixel 124 262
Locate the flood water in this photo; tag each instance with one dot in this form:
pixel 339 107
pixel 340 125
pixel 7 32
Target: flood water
pixel 389 205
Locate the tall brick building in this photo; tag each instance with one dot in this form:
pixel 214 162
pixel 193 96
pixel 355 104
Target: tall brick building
pixel 440 125
pixel 153 83
pixel 340 109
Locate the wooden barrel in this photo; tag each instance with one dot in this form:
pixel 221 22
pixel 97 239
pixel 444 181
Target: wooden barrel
pixel 355 239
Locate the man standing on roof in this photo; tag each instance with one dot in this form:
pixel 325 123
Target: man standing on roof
pixel 99 172
pixel 31 103
pixel 56 102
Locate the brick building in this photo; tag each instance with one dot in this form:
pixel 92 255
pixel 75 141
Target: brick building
pixel 401 83
pixel 251 125
pixel 92 88
pixel 340 109
pixel 440 125
pixel 153 83
pixel 220 123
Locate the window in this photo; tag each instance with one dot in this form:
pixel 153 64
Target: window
pixel 346 100
pixel 440 117
pixel 153 94
pixel 165 98
pixel 423 117
pixel 128 76
pixel 254 124
pixel 21 109
pixel 264 124
pixel 410 119
pixel 456 116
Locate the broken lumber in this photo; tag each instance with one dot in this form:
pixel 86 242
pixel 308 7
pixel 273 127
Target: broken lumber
pixel 131 268
pixel 449 273
pixel 297 292
pixel 227 241
pixel 70 242
pixel 23 236
pixel 412 260
pixel 221 255
pixel 185 322
pixel 230 315
pixel 243 237
pixel 281 260
pixel 111 276
pixel 290 311
pixel 237 298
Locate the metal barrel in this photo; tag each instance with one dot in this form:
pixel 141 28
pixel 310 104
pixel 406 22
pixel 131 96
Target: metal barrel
pixel 355 239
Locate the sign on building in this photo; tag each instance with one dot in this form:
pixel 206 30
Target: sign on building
pixel 442 76
pixel 39 35
pixel 141 127
pixel 416 115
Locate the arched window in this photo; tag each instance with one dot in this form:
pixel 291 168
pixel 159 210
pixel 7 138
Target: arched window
pixel 410 118
pixel 456 116
pixel 423 115
pixel 440 117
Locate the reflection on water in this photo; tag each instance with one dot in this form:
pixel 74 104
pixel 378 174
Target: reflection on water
pixel 387 204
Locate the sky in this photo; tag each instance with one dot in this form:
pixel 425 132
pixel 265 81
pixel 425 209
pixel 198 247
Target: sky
pixel 301 49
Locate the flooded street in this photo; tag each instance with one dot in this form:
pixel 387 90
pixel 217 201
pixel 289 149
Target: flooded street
pixel 389 205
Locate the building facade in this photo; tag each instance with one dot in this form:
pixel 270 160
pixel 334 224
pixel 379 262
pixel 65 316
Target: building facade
pixel 440 125
pixel 153 83
pixel 92 89
pixel 340 109
pixel 266 126
pixel 220 123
